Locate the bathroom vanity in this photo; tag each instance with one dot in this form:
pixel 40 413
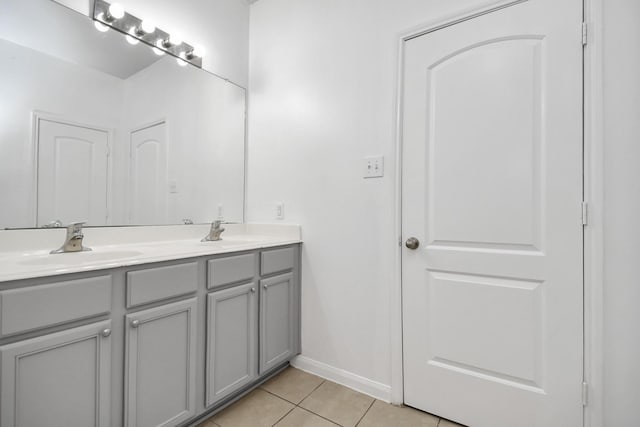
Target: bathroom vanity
pixel 159 330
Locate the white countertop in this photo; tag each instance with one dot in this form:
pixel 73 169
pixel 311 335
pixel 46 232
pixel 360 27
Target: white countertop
pixel 24 254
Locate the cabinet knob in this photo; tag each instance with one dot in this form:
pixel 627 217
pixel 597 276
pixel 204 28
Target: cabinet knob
pixel 106 333
pixel 253 289
pixel 264 286
pixel 135 323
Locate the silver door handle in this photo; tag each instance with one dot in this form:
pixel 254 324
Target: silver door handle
pixel 412 243
pixel 106 333
pixel 135 323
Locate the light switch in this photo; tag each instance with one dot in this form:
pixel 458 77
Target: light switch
pixel 279 210
pixel 374 167
pixel 220 212
pixel 173 187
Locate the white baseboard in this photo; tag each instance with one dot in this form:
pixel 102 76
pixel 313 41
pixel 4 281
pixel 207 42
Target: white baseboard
pixel 340 376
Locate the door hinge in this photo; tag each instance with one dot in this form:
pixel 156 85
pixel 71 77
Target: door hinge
pixel 584 33
pixel 585 213
pixel 585 393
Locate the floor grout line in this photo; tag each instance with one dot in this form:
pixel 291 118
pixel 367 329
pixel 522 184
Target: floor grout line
pixel 320 416
pixel 282 417
pixel 317 387
pixel 365 412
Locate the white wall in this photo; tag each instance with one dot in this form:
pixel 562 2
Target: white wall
pixel 621 213
pixel 322 97
pixel 221 26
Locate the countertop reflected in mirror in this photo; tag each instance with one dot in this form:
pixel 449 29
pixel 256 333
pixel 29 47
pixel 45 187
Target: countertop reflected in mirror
pixel 97 129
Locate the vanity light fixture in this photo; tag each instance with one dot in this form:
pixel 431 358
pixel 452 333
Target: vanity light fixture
pixel 197 51
pixel 146 27
pixel 100 26
pixel 112 15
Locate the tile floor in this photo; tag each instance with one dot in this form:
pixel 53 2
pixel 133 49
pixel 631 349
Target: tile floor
pixel 297 399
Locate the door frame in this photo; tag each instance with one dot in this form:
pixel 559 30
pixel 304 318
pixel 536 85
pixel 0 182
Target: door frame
pixel 39 115
pixel 593 148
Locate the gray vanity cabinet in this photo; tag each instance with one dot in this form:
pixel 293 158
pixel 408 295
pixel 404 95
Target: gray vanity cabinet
pixel 232 340
pixel 160 365
pixel 59 379
pixel 278 324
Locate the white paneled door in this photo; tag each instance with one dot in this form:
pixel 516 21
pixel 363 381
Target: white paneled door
pixel 492 191
pixel 73 172
pixel 149 175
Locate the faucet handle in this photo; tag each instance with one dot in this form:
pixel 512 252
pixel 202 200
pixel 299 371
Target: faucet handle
pixel 75 226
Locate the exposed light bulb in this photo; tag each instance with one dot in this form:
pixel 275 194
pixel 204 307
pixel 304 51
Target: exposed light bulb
pixel 131 37
pixel 175 40
pixel 116 10
pixel 157 51
pixel 182 59
pixel 100 26
pixel 148 26
pixel 198 51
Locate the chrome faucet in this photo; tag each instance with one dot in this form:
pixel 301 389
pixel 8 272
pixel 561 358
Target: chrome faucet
pixel 214 233
pixel 73 241
pixel 53 224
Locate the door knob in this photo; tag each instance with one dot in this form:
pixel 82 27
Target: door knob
pixel 106 333
pixel 135 323
pixel 412 243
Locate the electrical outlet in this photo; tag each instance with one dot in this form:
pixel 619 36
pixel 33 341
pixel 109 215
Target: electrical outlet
pixel 220 212
pixel 279 210
pixel 374 167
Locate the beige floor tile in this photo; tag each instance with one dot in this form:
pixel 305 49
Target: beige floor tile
pixel 292 385
pixel 447 423
pixel 301 418
pixel 337 403
pixel 257 409
pixel 384 415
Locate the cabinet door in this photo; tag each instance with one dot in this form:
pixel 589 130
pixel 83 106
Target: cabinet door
pixel 160 365
pixel 232 340
pixel 277 320
pixel 61 379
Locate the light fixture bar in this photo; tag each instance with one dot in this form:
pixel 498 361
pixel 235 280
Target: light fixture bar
pixel 132 26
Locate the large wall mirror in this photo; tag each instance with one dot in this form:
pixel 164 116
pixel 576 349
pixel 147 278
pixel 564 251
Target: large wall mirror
pixel 94 128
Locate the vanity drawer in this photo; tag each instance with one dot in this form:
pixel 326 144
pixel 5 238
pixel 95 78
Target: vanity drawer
pixel 277 260
pixel 40 306
pixel 156 284
pixel 224 271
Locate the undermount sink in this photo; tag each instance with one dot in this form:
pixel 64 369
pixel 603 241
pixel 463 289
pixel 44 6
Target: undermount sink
pixel 78 257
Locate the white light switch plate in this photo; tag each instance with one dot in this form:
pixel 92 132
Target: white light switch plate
pixel 374 167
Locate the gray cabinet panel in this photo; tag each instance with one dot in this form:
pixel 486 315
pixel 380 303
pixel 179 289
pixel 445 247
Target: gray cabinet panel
pixel 160 365
pixel 34 307
pixel 231 341
pixel 58 380
pixel 233 269
pixel 277 320
pixel 155 284
pixel 276 260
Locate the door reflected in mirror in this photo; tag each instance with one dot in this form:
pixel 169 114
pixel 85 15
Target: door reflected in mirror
pixel 94 128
